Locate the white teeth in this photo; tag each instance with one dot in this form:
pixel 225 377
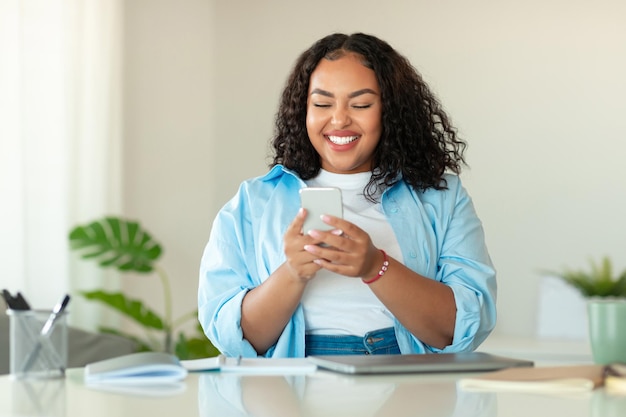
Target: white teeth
pixel 342 140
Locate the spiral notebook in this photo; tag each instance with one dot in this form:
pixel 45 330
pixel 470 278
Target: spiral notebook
pixel 415 363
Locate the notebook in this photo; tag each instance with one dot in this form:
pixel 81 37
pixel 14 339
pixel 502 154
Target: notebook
pixel 416 363
pixel 138 368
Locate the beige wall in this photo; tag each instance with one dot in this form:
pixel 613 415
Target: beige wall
pixel 536 87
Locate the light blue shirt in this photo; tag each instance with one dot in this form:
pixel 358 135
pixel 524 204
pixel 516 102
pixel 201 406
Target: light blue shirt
pixel 438 230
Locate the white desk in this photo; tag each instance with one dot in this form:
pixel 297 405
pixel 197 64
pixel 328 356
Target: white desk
pixel 318 394
pixel 544 352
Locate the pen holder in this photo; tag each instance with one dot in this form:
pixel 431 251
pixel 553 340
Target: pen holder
pixel 32 353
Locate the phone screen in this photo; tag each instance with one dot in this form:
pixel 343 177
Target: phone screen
pixel 318 201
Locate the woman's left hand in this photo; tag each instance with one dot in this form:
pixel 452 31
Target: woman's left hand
pixel 350 253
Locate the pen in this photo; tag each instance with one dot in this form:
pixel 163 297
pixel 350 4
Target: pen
pixel 8 299
pixel 15 303
pixel 56 312
pixel 46 330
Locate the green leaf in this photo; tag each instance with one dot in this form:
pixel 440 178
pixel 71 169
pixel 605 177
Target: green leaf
pixel 142 345
pixel 117 243
pixel 131 308
pixel 195 348
pixel 598 281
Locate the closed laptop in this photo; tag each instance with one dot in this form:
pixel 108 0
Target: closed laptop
pixel 415 363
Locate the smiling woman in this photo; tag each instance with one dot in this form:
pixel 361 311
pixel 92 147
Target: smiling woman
pixel 405 270
pixel 344 114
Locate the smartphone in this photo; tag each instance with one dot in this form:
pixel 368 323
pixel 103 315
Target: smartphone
pixel 318 201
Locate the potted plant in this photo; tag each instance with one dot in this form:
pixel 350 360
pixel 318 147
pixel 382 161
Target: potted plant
pixel 606 308
pixel 124 245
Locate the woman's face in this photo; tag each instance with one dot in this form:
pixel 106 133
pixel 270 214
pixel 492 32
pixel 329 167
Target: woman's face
pixel 344 113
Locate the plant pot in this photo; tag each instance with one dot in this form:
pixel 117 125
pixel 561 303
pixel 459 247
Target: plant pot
pixel 607 329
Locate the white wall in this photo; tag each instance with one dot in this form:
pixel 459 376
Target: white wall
pixel 536 88
pixel 169 140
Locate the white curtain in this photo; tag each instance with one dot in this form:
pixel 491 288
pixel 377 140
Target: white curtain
pixel 60 140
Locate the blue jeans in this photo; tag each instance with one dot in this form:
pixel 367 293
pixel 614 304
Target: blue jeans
pixel 377 342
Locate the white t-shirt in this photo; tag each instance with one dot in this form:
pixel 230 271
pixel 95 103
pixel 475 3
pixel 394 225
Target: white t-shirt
pixel 338 305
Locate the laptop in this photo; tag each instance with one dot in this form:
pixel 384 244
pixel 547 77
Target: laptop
pixel 417 363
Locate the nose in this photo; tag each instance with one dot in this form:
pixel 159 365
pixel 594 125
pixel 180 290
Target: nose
pixel 341 116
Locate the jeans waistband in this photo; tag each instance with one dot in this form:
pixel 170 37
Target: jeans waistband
pixel 376 342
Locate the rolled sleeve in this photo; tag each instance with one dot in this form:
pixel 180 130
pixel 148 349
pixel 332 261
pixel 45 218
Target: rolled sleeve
pixel 467 268
pixel 453 251
pixel 222 286
pixel 240 254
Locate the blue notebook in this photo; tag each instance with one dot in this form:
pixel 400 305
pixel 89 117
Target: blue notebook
pixel 142 368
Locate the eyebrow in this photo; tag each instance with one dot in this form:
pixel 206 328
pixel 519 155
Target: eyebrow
pixel 351 95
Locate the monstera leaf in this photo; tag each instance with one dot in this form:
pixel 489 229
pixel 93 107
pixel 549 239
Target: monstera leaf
pixel 117 243
pixel 122 244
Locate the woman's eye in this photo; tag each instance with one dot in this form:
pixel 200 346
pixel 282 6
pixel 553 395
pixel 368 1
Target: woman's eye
pixel 362 106
pixel 322 105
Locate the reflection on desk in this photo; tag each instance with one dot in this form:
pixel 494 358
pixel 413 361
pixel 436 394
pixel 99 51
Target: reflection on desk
pixel 317 394
pixel 327 394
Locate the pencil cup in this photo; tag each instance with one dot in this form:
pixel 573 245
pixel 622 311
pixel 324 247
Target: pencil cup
pixel 35 353
pixel 38 397
pixel 607 330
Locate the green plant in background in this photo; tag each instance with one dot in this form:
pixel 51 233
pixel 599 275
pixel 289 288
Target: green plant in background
pixel 596 282
pixel 122 244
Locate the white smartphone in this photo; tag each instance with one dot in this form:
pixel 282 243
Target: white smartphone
pixel 318 201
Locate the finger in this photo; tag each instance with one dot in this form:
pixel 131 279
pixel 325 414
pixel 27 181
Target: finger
pixel 330 238
pixel 298 224
pixel 304 271
pixel 342 226
pixel 346 256
pixel 295 227
pixel 327 254
pixel 294 241
pixel 345 270
pixel 300 263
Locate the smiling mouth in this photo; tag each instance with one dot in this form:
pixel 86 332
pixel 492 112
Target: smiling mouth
pixel 342 140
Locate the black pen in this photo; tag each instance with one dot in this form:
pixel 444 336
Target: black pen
pixel 46 330
pixel 56 312
pixel 15 303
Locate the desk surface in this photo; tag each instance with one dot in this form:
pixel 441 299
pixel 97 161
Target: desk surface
pixel 316 394
pixel 320 393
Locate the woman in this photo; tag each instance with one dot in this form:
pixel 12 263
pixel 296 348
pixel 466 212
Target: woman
pixel 405 270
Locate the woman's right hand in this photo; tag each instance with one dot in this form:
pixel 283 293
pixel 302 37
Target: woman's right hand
pixel 300 263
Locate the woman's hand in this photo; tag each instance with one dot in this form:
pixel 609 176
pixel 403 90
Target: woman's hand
pixel 350 250
pixel 300 263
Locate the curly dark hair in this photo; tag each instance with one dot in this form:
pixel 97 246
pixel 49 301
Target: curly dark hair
pixel 418 141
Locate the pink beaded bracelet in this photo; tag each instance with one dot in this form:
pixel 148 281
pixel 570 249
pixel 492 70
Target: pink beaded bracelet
pixel 382 271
